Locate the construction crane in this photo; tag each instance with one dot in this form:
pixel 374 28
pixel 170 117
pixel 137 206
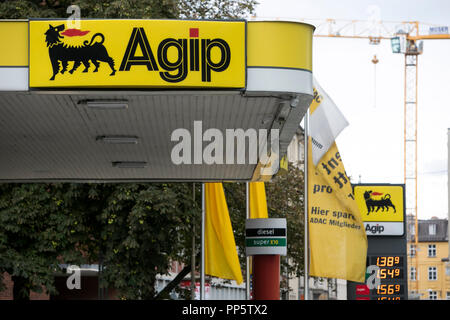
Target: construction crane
pixel 406 38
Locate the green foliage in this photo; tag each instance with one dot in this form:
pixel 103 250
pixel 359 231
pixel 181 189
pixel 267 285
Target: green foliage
pixel 284 195
pixel 135 230
pixel 38 229
pixel 139 9
pixel 129 9
pixel 286 200
pixel 22 9
pixel 143 228
pixel 215 9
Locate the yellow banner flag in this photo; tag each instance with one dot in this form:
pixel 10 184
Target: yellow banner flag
pixel 258 203
pixel 337 239
pixel 221 258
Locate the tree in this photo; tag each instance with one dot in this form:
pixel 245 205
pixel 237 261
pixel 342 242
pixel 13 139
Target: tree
pixel 284 195
pixel 286 199
pixel 215 9
pixel 142 9
pixel 143 228
pixel 139 9
pixel 38 230
pixel 136 230
pixel 133 229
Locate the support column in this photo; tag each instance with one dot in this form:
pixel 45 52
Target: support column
pixel 247 259
pixel 266 277
pixel 202 269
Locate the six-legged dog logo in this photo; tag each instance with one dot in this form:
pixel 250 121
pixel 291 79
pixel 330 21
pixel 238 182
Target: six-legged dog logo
pixel 59 51
pixel 383 203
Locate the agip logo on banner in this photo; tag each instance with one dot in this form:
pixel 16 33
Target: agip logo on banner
pixel 138 54
pixel 382 208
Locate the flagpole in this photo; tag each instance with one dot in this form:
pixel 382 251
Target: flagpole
pixel 202 271
pixel 306 155
pixel 247 265
pixel 193 282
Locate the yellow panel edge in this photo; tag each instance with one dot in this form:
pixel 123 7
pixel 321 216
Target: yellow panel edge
pixel 14 33
pixel 280 44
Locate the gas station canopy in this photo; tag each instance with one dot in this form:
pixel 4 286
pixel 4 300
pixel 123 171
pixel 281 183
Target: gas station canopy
pixel 108 100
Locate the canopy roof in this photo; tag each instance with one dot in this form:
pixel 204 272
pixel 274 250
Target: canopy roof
pixel 86 126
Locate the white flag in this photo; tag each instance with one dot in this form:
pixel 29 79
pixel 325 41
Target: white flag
pixel 325 124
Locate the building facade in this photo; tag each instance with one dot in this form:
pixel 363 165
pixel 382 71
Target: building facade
pixel 428 264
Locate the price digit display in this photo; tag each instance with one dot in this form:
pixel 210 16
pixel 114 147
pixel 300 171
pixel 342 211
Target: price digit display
pixel 387 261
pixel 391 275
pixel 389 298
pixel 389 289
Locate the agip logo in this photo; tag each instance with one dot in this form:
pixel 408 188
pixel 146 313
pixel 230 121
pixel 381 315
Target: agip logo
pixel 189 57
pixel 61 53
pixel 138 53
pixel 381 208
pixel 383 202
pixel 374 229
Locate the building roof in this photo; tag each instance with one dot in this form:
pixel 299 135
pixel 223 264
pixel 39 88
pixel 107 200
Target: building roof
pixel 433 230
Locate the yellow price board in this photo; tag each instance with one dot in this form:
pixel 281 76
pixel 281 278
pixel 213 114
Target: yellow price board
pixel 138 54
pixel 380 202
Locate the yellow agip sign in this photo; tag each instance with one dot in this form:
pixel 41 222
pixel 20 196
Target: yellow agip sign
pixel 137 54
pixel 382 208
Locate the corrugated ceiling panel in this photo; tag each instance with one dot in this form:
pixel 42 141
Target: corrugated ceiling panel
pixel 52 136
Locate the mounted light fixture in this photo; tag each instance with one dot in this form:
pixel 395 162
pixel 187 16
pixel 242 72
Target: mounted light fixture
pixel 129 164
pixel 283 111
pixel 294 102
pixel 118 139
pixel 106 104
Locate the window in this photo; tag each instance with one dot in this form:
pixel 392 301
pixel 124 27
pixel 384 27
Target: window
pixel 432 250
pixel 432 273
pixel 412 250
pixel 432 295
pixel 432 229
pixel 412 274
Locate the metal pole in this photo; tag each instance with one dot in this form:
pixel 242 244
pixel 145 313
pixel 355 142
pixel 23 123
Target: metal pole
pixel 99 278
pixel 306 155
pixel 202 273
pixel 247 265
pixel 193 283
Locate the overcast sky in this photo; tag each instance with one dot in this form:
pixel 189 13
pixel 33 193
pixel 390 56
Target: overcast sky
pixel 372 145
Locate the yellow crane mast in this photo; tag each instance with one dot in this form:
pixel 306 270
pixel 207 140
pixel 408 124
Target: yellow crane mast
pixel 406 38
